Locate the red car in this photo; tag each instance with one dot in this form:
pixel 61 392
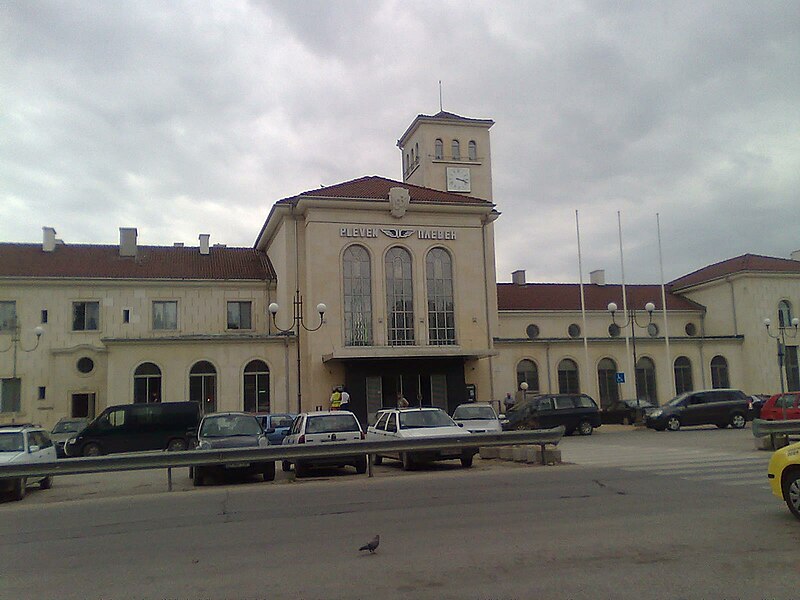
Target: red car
pixel 773 409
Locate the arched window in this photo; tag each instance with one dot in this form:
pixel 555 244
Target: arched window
pixel 413 158
pixel 784 314
pixel 719 373
pixel 568 382
pixel 256 387
pixel 683 375
pixel 528 372
pixel 441 313
pixel 473 150
pixel 357 280
pixel 455 150
pixel 147 383
pixel 203 386
pixel 646 380
pixel 399 297
pixel 607 381
pixel 438 149
pixel 416 151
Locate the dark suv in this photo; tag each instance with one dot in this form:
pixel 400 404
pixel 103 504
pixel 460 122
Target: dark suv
pixel 705 407
pixel 576 412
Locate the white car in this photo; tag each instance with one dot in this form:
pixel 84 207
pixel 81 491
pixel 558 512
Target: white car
pixel 325 427
pixel 408 423
pixel 23 444
pixel 477 417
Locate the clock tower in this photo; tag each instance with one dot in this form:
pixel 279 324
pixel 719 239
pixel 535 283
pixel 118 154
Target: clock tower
pixel 450 153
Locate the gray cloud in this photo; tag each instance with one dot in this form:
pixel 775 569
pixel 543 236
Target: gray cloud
pixel 187 117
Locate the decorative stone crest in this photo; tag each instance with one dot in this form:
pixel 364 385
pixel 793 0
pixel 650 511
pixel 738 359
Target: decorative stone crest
pixel 399 199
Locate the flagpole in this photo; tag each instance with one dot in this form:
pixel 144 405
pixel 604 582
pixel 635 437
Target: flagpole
pixel 631 366
pixel 664 306
pixel 583 299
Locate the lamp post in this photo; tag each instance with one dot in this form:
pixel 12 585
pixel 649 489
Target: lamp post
pixel 781 336
pixel 298 321
pixel 633 322
pixel 16 342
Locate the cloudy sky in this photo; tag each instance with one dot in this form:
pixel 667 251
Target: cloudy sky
pixel 188 117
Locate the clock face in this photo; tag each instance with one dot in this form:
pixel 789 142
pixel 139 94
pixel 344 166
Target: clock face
pixel 458 179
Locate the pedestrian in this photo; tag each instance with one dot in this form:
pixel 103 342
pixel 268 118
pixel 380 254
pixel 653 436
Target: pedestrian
pixel 344 402
pixel 509 401
pixel 336 399
pixel 401 401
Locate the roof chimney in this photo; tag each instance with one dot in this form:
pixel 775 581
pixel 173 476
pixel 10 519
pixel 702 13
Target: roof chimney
pixel 204 239
pixel 127 241
pixel 795 255
pixel 518 277
pixel 597 277
pixel 49 241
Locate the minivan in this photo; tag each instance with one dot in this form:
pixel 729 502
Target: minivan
pixel 576 412
pixel 720 407
pixel 135 427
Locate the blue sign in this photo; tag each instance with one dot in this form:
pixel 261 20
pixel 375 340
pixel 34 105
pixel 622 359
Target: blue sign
pixel 620 377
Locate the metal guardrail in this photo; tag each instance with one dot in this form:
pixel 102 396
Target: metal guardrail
pixel 188 458
pixel 763 428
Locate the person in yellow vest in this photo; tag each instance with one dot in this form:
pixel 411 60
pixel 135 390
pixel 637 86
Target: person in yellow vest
pixel 336 399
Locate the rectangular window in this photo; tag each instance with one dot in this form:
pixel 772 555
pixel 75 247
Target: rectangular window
pixel 239 315
pixel 85 316
pixel 792 369
pixel 42 392
pixel 10 395
pixel 165 315
pixel 44 317
pixel 8 315
pixel 126 315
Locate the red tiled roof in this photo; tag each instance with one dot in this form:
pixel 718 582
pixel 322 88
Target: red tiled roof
pixel 567 296
pixel 152 262
pixel 377 188
pixel 739 264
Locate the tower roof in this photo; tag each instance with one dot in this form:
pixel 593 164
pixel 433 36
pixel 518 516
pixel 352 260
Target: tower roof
pixel 444 117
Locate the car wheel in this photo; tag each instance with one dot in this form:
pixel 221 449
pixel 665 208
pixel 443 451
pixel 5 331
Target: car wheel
pixel 408 463
pixel 19 489
pixel 377 459
pixel 198 478
pixel 286 466
pixel 791 491
pixel 176 445
pixel 92 449
pixel 738 421
pixel 466 460
pixel 300 470
pixel 46 483
pixel 585 428
pixel 361 465
pixel 269 471
pixel 673 423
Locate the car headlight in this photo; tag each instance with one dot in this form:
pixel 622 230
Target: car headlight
pixel 656 413
pixel 204 445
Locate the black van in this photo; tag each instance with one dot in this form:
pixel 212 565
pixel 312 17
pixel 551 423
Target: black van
pixel 576 412
pixel 133 427
pixel 720 407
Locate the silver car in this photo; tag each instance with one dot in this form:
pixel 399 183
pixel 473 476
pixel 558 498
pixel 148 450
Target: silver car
pixel 477 417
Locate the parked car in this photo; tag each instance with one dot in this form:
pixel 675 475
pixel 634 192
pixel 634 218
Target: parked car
pixel 781 406
pixel 24 444
pixel 784 476
pixel 65 429
pixel 721 407
pixel 276 425
pixel 627 411
pixel 477 417
pixel 576 412
pixel 325 427
pixel 134 427
pixel 231 430
pixel 428 422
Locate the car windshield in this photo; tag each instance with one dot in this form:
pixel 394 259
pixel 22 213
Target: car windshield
pixel 470 413
pixel 638 403
pixel 280 421
pixel 332 424
pixel 11 442
pixel 415 419
pixel 229 425
pixel 678 399
pixel 69 426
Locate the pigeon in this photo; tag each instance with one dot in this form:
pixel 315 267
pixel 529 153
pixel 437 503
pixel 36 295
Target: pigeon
pixel 372 546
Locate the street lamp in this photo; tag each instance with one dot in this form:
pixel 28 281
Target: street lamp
pixel 781 338
pixel 16 342
pixel 297 322
pixel 633 322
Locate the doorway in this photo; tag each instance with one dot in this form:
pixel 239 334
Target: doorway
pixel 82 405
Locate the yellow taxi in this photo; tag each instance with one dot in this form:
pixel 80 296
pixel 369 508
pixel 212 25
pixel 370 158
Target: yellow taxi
pixel 784 476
